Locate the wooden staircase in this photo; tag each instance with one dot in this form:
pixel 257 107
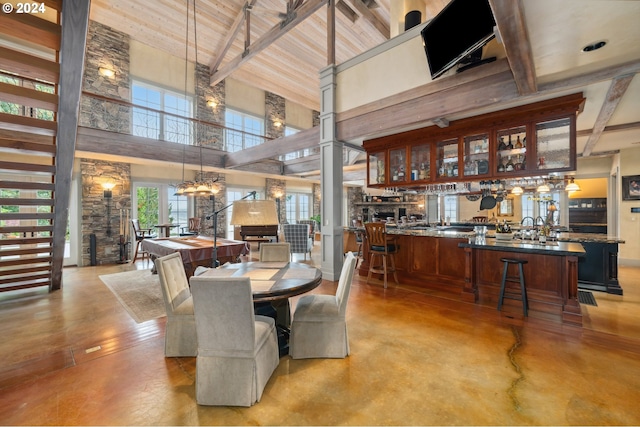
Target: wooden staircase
pixel 35 162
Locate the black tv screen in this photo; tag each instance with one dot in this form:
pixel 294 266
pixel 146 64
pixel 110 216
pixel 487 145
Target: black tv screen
pixel 462 27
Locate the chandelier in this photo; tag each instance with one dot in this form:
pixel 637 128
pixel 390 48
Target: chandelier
pixel 201 187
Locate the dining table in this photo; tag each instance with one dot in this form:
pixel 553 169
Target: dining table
pixel 164 230
pixel 272 284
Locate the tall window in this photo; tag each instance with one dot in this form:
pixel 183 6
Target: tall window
pixel 157 203
pixel 448 208
pixel 151 124
pixel 236 141
pixel 538 210
pixel 298 206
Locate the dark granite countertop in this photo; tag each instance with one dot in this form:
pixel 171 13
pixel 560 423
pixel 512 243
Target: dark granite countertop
pixel 588 238
pixel 550 248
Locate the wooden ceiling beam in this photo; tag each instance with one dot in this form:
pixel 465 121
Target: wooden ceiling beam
pixel 378 24
pixel 308 138
pixel 307 9
pixel 231 35
pixel 616 91
pixel 509 16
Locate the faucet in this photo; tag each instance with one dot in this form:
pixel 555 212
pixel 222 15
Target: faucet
pixel 533 221
pixel 539 221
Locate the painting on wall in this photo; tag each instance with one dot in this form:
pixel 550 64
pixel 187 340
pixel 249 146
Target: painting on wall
pixel 631 187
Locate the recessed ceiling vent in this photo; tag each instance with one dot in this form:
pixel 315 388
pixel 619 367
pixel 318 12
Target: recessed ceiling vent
pixel 594 46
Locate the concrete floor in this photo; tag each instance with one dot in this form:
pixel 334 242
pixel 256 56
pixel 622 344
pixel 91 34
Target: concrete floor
pixel 416 359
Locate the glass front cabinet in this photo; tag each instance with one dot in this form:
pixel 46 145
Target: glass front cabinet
pixel 523 141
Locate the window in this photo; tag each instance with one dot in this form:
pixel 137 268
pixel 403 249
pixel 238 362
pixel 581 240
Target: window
pixel 539 209
pixel 151 124
pixel 157 204
pixel 297 206
pixel 448 208
pixel 252 125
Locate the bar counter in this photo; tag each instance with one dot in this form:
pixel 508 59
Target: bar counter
pixel 467 268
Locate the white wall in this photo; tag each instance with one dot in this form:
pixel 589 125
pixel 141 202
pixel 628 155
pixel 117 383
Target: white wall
pixel 374 75
pixel 629 252
pixel 159 67
pixel 239 96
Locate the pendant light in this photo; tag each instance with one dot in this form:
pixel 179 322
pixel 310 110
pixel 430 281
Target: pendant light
pixel 572 186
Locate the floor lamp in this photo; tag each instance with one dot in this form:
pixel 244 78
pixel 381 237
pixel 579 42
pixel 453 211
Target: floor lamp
pixel 245 212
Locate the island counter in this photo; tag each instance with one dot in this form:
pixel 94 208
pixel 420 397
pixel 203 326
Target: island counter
pixel 469 269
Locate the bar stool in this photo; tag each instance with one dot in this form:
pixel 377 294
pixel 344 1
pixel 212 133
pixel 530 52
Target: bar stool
pixel 517 279
pixel 381 246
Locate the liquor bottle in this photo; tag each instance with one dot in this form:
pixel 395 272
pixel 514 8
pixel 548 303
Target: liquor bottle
pixel 500 165
pixel 518 142
pixel 502 145
pixel 518 165
pixel 509 167
pixel 510 144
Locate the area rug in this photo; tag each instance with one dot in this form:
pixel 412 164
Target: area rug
pixel 139 293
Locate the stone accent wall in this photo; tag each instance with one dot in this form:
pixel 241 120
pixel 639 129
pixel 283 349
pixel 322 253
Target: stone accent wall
pixel 94 208
pixel 209 136
pixel 354 195
pixel 317 198
pixel 273 187
pixel 274 111
pixel 316 118
pixel 107 48
pixel 204 206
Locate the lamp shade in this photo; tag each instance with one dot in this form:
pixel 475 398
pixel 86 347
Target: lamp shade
pixel 254 212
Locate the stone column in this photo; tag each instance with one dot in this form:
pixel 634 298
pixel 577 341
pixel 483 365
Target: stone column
pixel 274 114
pixel 331 178
pixel 273 188
pixel 94 208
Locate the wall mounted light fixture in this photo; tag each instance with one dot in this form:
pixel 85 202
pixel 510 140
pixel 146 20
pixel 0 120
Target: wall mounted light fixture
pixel 277 123
pixel 108 195
pixel 106 72
pixel 212 103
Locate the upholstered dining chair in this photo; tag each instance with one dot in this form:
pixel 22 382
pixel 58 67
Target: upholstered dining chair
pixel 275 252
pixel 140 235
pixel 180 331
pixel 319 327
pixel 237 350
pixel 384 247
pixel 298 236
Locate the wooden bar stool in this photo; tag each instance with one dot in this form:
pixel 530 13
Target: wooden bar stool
pixel 516 279
pixel 383 247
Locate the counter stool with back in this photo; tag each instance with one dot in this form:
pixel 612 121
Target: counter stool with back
pixel 383 246
pixel 517 279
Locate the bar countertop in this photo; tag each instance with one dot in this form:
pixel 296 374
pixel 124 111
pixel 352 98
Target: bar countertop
pixel 550 248
pixel 588 238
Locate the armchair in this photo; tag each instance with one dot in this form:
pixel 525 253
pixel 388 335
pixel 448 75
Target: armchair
pixel 298 237
pixel 140 234
pixel 192 229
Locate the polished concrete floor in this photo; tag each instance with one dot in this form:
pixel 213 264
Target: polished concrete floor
pixel 75 357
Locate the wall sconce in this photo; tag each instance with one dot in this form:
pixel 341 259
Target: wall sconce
pixel 106 72
pixel 278 195
pixel 277 123
pixel 108 195
pixel 212 103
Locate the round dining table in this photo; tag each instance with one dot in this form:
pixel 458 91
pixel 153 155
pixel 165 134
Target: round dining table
pixel 271 281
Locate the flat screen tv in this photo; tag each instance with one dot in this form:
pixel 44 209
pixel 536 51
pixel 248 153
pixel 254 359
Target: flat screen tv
pixel 459 30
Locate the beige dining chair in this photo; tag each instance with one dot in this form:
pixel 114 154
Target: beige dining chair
pixel 319 327
pixel 237 350
pixel 275 252
pixel 180 331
